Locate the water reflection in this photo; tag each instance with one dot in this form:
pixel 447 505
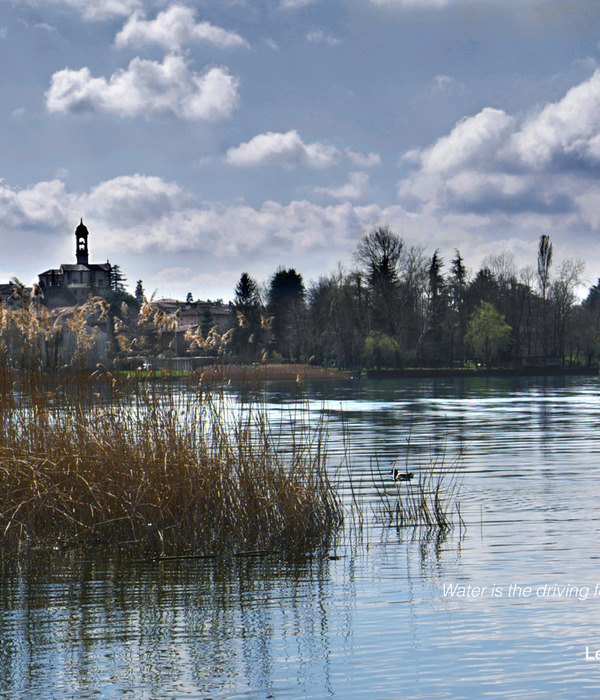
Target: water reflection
pixel 369 619
pixel 153 629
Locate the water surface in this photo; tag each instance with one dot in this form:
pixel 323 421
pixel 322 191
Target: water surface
pixel 373 617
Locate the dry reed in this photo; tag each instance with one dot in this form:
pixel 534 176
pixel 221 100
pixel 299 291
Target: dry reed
pixel 429 499
pixel 95 460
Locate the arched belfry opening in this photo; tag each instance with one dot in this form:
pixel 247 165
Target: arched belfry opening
pixel 81 238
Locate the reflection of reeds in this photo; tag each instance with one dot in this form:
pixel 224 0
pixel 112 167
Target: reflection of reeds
pixel 430 499
pixel 84 460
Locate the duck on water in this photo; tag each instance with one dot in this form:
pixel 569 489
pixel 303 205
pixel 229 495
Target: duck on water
pixel 397 475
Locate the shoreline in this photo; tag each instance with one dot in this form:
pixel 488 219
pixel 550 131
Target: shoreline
pixel 454 373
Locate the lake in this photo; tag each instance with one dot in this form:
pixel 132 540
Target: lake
pixel 505 606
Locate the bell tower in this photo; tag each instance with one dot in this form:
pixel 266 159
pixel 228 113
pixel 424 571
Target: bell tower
pixel 81 238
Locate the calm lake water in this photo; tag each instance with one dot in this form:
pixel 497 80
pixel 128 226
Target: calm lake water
pixel 387 612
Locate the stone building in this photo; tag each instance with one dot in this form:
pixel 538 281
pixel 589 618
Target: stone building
pixel 73 284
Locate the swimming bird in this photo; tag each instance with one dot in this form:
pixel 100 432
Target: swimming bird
pixel 397 475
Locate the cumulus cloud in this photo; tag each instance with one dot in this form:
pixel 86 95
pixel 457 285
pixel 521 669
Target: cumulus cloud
pixel 146 88
pixel 369 160
pixel 474 140
pixel 286 150
pixel 493 161
pixel 40 207
pixel 134 199
pixel 356 188
pixel 568 129
pixel 172 29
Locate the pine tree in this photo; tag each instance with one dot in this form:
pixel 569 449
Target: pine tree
pixel 139 292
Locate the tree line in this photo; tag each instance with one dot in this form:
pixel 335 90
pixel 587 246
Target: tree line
pixel 398 307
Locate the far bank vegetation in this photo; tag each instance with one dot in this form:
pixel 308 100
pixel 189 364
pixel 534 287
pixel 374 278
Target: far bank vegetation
pixel 397 307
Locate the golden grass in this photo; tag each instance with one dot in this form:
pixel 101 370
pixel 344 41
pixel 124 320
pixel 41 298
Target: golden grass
pixel 88 460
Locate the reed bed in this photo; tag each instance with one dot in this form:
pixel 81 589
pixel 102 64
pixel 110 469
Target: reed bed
pixel 97 460
pixel 430 499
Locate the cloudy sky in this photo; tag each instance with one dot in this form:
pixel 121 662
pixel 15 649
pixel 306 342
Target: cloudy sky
pixel 204 138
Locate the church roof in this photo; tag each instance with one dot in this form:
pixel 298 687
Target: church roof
pixel 101 267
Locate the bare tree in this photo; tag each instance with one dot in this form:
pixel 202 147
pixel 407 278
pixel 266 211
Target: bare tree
pixel 379 253
pixel 563 297
pixel 502 266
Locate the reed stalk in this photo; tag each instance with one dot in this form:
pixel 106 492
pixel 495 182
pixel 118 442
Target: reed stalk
pixel 430 499
pixel 97 460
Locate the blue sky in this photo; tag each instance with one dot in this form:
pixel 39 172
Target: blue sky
pixel 206 138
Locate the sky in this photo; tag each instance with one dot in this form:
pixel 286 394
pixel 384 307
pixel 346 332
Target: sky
pixel 206 138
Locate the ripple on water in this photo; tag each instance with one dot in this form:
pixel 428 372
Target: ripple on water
pixel 374 622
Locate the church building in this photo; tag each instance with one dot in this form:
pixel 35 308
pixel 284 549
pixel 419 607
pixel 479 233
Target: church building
pixel 73 284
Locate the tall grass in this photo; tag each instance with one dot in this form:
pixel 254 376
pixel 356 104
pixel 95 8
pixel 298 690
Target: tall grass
pixel 430 499
pixel 93 460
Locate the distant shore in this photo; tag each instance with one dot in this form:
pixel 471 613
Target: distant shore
pixel 301 372
pixel 451 373
pixel 264 372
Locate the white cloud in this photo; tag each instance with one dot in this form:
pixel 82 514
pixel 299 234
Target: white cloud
pixel 496 162
pixel 473 140
pixel 172 29
pixel 569 128
pixel 356 188
pixel 287 150
pixel 146 88
pixel 365 161
pixel 319 37
pixel 134 199
pixel 42 206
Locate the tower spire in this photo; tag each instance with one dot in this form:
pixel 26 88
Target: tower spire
pixel 81 244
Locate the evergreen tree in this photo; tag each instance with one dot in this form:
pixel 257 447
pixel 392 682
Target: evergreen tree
pixel 457 320
pixel 248 335
pixel 206 322
pixel 592 301
pixel 286 305
pixel 139 292
pixel 435 348
pixel 117 279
